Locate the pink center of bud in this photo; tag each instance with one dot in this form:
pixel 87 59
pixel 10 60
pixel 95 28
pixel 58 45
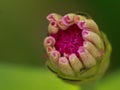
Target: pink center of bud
pixel 68 41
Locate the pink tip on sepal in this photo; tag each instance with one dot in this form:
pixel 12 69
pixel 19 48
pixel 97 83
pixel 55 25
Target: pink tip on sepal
pixel 77 19
pixel 81 50
pixel 54 17
pixel 53 27
pixel 49 49
pixel 50 17
pixel 75 63
pixel 53 23
pixel 66 55
pixel 62 25
pixel 49 41
pixel 85 33
pixel 66 20
pixel 65 67
pixel 72 56
pixel 85 43
pixel 55 54
pixel 63 60
pixel 81 25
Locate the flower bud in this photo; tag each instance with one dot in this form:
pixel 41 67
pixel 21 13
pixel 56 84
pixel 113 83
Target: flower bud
pixel 77 50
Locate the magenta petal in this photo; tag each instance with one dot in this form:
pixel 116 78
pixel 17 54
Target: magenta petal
pixel 68 41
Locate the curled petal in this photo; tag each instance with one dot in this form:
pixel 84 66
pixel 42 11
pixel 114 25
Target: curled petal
pixel 93 38
pixel 81 24
pixel 75 63
pixel 62 25
pixel 92 49
pixel 55 54
pixel 54 57
pixel 92 26
pixel 49 49
pixel 87 59
pixel 53 23
pixel 54 17
pixel 52 28
pixel 68 19
pixel 64 66
pixel 49 41
pixel 79 18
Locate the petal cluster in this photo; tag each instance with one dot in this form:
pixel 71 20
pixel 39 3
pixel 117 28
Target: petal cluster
pixel 75 46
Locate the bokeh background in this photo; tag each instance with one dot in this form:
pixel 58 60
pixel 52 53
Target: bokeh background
pixel 23 26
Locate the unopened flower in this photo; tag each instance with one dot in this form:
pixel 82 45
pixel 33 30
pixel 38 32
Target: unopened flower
pixel 76 48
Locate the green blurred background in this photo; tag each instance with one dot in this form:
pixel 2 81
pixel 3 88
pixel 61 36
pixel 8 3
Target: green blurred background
pixel 23 26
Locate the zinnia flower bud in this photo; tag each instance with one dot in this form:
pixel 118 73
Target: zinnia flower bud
pixel 76 48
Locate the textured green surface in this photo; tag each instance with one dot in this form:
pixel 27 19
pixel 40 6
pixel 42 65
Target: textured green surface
pixel 14 77
pixel 28 78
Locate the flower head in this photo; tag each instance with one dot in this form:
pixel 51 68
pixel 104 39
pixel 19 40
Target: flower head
pixel 76 48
